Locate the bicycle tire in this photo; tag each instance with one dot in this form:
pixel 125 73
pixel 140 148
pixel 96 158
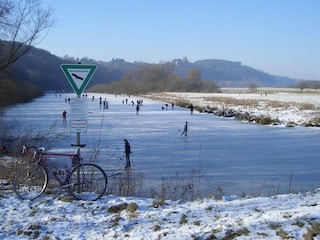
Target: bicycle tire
pixel 30 181
pixel 87 182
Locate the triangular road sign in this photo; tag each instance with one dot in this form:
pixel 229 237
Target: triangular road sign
pixel 78 75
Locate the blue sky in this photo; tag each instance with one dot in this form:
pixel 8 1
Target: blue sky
pixel 280 37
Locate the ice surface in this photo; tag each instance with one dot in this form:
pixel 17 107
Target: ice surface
pixel 218 153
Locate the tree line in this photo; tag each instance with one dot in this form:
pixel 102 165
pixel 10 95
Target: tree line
pixel 157 78
pixel 12 92
pixel 312 84
pixel 23 24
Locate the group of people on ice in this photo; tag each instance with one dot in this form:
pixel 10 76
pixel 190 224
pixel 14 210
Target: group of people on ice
pixel 139 103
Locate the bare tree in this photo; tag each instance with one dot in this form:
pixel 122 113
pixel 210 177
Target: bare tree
pixel 23 24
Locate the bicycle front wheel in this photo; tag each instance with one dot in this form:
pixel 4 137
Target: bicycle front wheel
pixel 87 182
pixel 30 181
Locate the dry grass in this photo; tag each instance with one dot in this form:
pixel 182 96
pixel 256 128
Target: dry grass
pixel 228 101
pixel 232 101
pixel 307 106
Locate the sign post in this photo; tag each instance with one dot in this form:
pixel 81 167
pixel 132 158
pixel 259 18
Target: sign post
pixel 78 76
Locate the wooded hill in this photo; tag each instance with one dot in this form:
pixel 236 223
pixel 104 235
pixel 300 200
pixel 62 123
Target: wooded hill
pixel 41 68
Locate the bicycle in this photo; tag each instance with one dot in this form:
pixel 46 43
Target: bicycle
pixel 84 181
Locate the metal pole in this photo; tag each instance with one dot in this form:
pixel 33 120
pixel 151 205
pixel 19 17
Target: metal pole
pixel 78 157
pixel 78 133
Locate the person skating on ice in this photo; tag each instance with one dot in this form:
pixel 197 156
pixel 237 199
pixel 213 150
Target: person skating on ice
pixel 185 129
pixel 127 151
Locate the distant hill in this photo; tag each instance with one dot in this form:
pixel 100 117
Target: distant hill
pixel 42 68
pixel 233 74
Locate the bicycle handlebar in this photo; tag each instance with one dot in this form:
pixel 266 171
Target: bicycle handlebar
pixel 26 149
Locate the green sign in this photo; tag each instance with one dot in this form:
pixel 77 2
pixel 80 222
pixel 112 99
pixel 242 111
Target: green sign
pixel 78 75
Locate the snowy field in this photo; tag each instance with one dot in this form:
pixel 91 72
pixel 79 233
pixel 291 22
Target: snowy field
pixel 240 159
pixel 291 216
pixel 288 105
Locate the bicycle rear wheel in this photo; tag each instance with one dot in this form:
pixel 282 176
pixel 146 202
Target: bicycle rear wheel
pixel 30 181
pixel 87 182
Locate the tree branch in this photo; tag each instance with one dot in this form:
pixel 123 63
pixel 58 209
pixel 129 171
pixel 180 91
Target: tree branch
pixel 23 24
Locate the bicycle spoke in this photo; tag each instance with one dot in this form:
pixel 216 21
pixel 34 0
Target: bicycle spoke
pixel 30 181
pixel 87 182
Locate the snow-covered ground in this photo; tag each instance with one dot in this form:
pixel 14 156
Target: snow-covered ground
pixel 288 216
pixel 291 216
pixel 287 105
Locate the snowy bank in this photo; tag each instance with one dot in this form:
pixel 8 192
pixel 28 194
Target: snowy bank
pixel 292 216
pixel 287 107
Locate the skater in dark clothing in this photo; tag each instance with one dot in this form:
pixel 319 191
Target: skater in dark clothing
pixel 64 117
pixel 185 129
pixel 191 109
pixel 127 150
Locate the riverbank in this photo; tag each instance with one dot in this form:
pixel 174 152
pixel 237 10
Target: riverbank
pixel 275 106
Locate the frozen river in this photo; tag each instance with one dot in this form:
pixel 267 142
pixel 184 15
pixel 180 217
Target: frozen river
pixel 218 155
